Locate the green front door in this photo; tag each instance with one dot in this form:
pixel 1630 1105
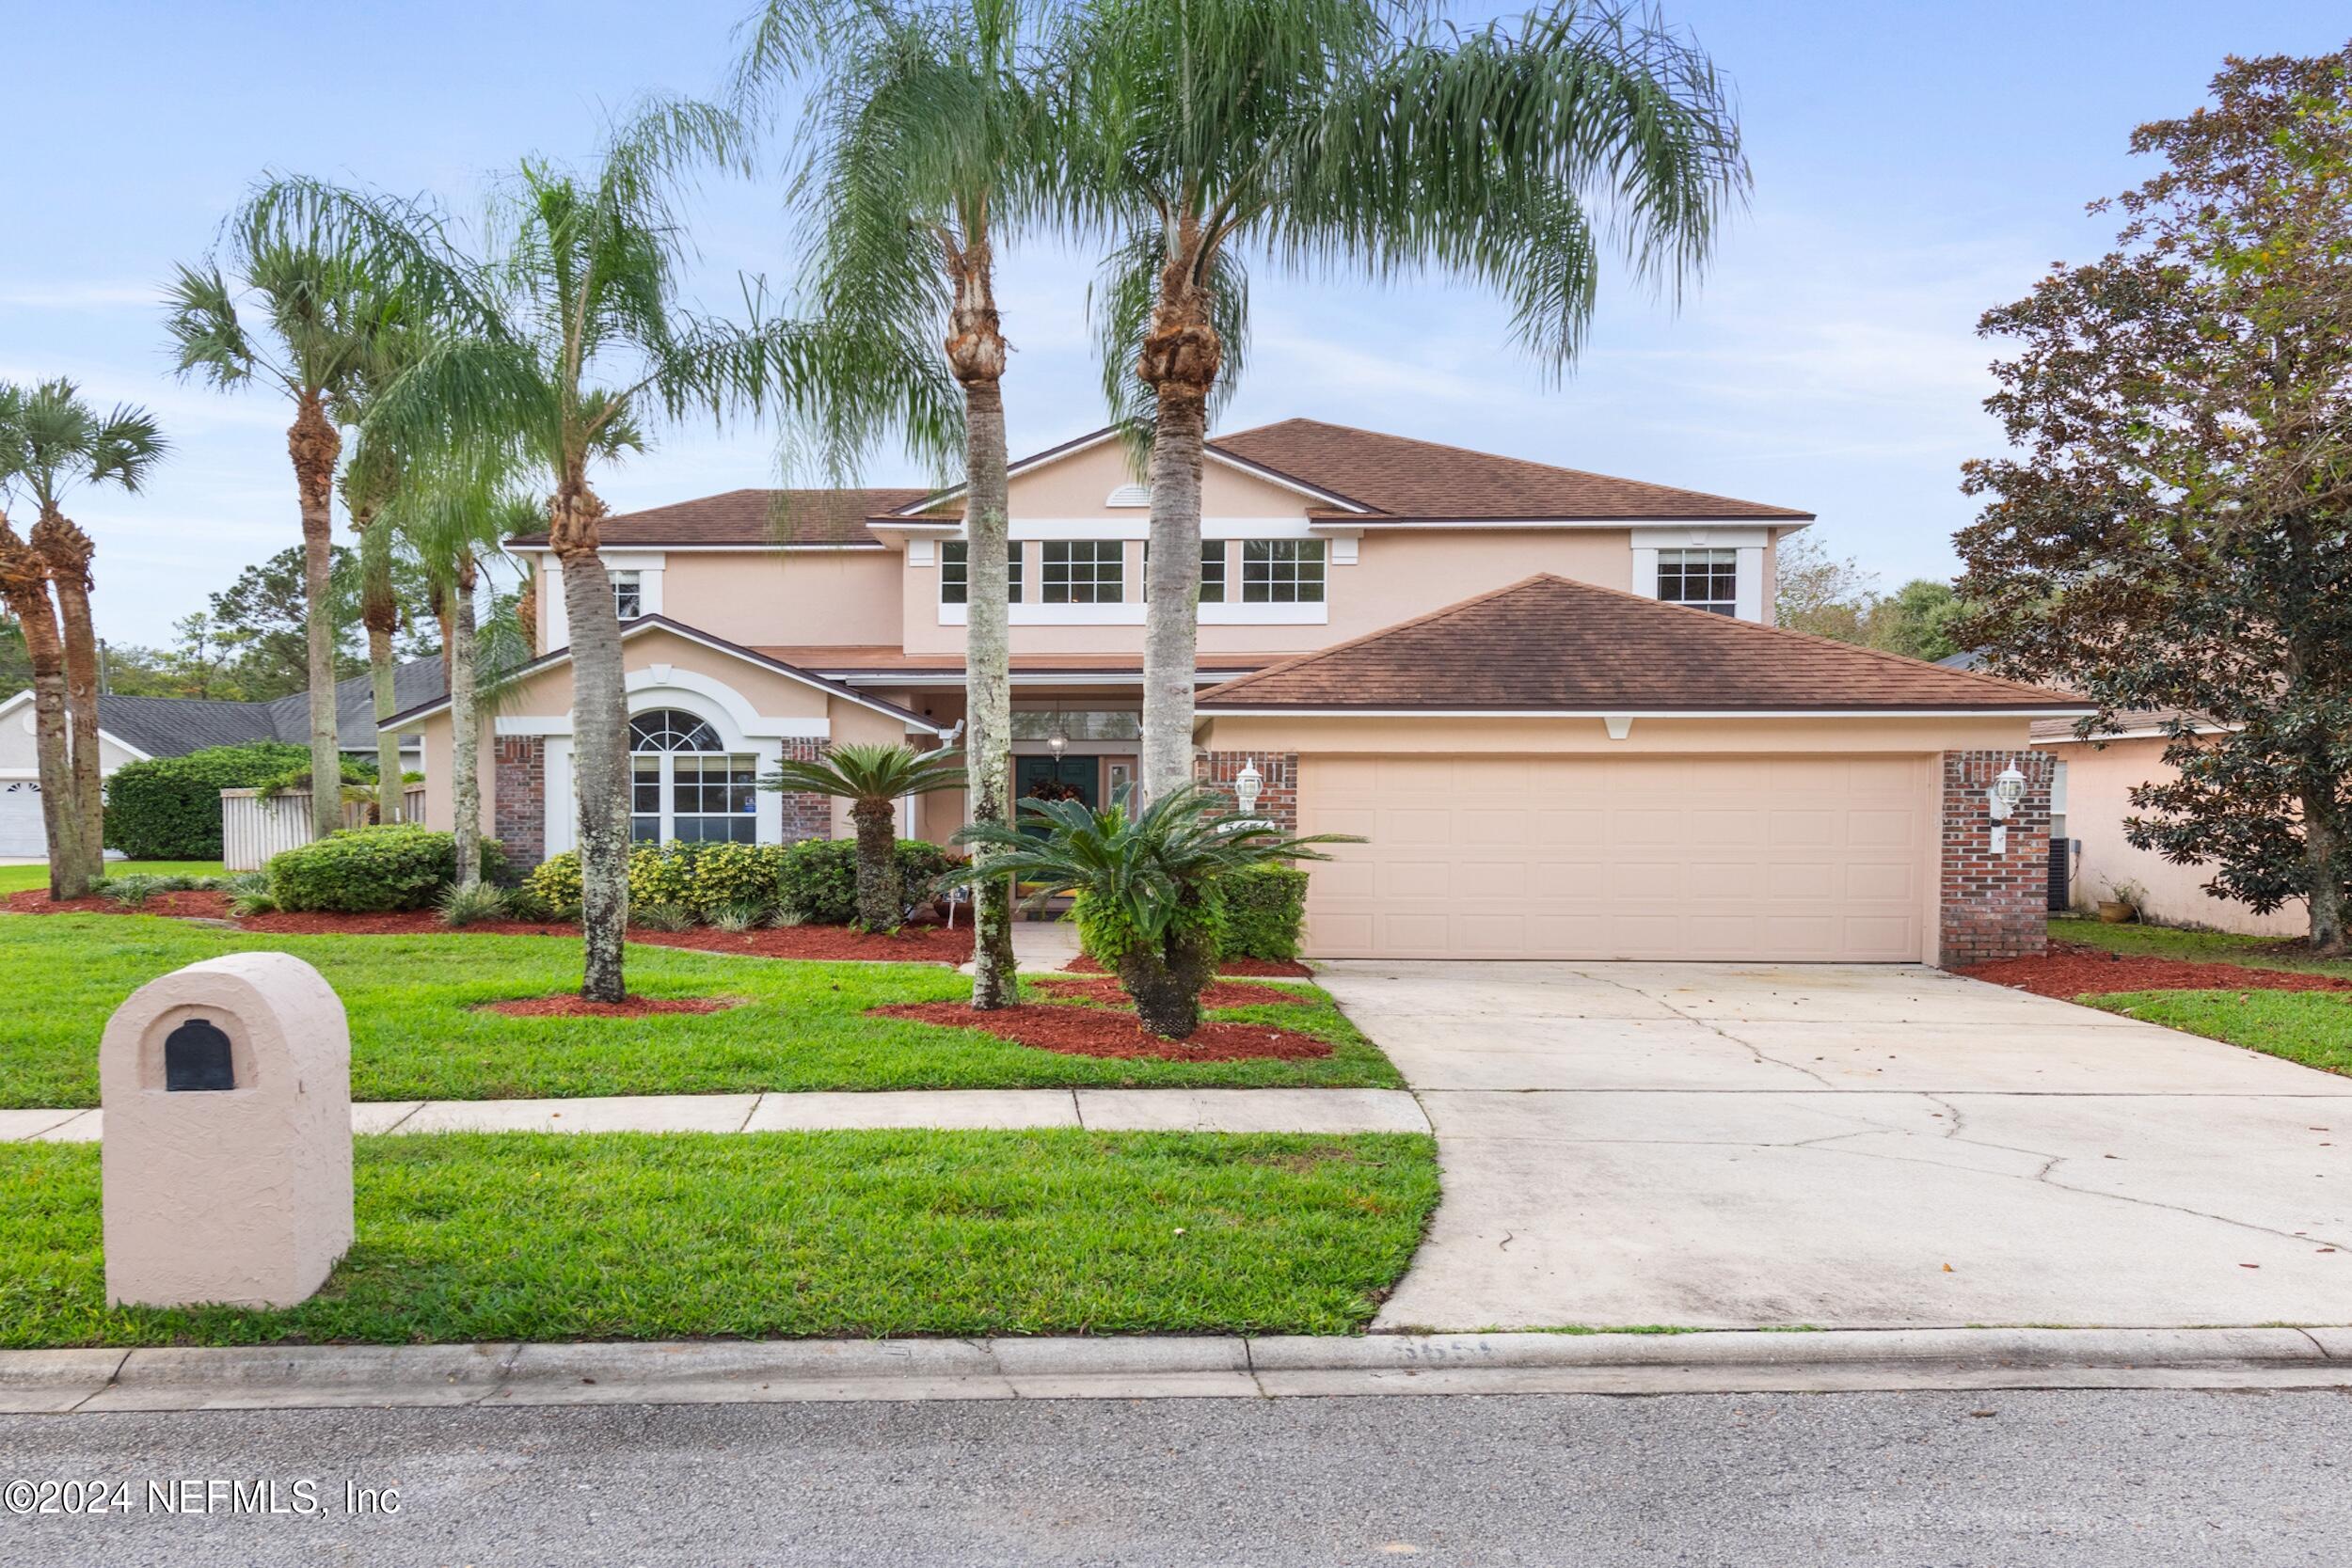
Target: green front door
pixel 1080 775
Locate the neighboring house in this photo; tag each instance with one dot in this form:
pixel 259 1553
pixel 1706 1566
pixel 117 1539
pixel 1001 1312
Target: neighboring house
pixel 131 729
pixel 1553 701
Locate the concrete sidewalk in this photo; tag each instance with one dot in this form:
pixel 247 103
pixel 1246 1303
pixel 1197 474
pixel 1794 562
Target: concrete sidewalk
pixel 290 1377
pixel 1104 1110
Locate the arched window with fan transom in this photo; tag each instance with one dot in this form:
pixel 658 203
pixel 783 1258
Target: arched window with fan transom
pixel 686 785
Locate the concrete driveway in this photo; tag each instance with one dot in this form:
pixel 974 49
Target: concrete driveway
pixel 1721 1145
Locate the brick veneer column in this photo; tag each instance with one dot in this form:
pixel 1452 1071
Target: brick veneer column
pixel 1994 907
pixel 519 798
pixel 1277 793
pixel 805 815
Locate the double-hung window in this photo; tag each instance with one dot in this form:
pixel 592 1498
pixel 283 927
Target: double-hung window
pixel 628 595
pixel 1702 579
pixel 955 572
pixel 1281 570
pixel 684 784
pixel 1085 571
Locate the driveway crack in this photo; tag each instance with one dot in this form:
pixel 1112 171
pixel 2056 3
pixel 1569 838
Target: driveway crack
pixel 1710 1027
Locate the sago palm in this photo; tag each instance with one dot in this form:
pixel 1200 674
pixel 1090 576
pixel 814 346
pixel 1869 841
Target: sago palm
pixel 573 331
pixel 873 778
pixel 320 305
pixel 928 145
pixel 51 441
pixel 1147 881
pixel 1336 137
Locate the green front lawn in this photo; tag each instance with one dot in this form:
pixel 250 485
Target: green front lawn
pixel 2221 947
pixel 2307 1026
pixel 414 1035
pixel 626 1236
pixel 16 878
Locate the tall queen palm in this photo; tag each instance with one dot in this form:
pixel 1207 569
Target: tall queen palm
pixel 573 332
pixel 930 144
pixel 321 305
pixel 1354 136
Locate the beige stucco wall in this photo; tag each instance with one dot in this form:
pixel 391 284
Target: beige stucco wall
pixel 1760 737
pixel 767 597
pixel 2099 781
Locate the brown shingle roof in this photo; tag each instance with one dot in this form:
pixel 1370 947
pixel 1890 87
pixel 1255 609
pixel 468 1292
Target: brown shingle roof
pixel 1405 478
pixel 1552 643
pixel 754 517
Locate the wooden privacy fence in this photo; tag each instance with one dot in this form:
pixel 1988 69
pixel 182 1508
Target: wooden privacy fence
pixel 254 826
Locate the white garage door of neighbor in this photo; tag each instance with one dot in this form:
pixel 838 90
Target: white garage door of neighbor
pixel 21 831
pixel 1812 858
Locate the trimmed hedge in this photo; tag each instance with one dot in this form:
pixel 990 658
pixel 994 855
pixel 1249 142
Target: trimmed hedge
pixel 372 870
pixel 1264 911
pixel 168 808
pixel 814 880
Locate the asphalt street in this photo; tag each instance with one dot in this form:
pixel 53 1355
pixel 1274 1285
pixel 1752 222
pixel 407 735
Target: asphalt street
pixel 2080 1480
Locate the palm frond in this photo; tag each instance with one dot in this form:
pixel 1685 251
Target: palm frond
pixel 869 775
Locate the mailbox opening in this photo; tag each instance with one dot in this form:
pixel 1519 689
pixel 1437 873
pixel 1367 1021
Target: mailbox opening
pixel 195 1056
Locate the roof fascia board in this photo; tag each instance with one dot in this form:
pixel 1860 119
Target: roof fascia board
pixel 1223 711
pixel 1394 525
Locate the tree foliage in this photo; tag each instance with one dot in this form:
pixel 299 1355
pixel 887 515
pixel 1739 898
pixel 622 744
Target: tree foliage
pixel 2172 535
pixel 1832 596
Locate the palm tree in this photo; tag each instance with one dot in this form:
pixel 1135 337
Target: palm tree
pixel 25 590
pixel 51 441
pixel 928 143
pixel 1352 137
pixel 873 778
pixel 573 333
pixel 323 309
pixel 1146 883
pixel 371 483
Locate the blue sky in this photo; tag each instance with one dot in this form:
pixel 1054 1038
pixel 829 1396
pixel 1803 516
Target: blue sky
pixel 1915 163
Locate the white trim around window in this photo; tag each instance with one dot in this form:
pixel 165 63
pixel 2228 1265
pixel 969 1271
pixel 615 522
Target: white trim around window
pixel 1747 544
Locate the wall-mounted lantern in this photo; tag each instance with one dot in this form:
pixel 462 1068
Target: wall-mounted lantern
pixel 1247 784
pixel 2001 804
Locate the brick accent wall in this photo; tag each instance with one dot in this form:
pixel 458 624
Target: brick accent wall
pixel 519 798
pixel 1277 793
pixel 805 815
pixel 1994 907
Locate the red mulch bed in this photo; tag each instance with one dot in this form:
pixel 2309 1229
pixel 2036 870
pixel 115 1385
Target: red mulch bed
pixel 913 945
pixel 1100 1032
pixel 2072 968
pixel 568 1005
pixel 1261 969
pixel 214 906
pixel 1219 994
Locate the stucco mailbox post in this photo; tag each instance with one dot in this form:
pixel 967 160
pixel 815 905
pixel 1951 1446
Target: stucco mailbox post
pixel 227 1141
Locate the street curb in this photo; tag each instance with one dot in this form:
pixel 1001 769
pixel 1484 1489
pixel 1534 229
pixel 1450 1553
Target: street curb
pixel 774 1371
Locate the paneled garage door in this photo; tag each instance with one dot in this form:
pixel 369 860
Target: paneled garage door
pixel 1822 857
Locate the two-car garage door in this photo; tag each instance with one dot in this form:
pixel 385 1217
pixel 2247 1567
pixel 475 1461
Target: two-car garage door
pixel 1804 857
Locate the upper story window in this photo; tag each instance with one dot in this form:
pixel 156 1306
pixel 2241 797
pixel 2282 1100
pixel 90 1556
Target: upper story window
pixel 628 595
pixel 1212 571
pixel 1703 579
pixel 1281 570
pixel 1085 571
pixel 955 578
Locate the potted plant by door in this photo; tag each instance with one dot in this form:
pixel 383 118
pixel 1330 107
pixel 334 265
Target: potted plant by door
pixel 2122 904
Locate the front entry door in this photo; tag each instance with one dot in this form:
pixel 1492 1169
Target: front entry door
pixel 1079 776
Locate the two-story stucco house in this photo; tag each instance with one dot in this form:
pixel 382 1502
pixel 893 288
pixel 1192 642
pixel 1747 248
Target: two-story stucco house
pixel 1552 701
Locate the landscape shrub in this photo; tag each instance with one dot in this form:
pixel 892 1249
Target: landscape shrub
pixel 372 870
pixel 168 808
pixel 554 885
pixel 735 877
pixel 817 879
pixel 1264 910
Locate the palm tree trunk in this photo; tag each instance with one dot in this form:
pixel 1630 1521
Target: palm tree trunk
pixel 379 611
pixel 1180 359
pixel 67 551
pixel 879 907
pixel 315 445
pixel 24 583
pixel 1165 982
pixel 988 678
pixel 464 766
pixel 599 740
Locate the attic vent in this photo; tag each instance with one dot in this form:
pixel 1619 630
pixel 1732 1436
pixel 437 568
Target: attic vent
pixel 1130 495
